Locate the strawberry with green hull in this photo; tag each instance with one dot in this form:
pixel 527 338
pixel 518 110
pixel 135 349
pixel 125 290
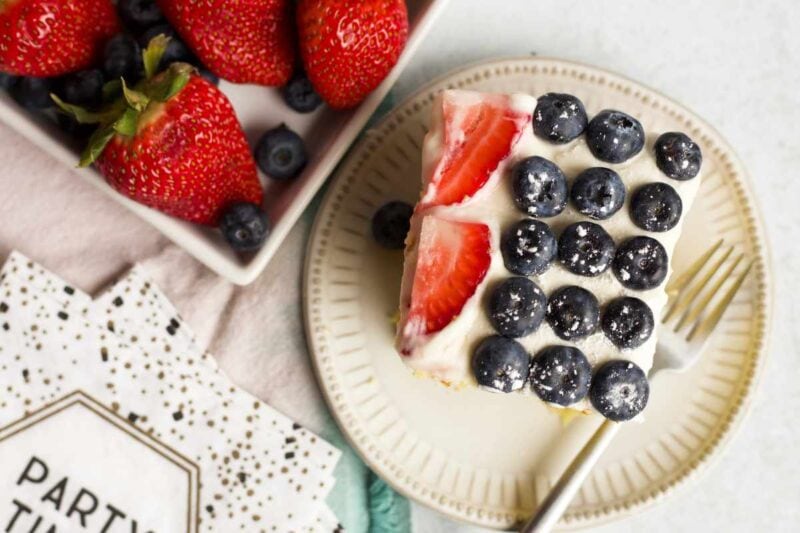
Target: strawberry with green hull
pixel 249 41
pixel 44 38
pixel 349 46
pixel 172 143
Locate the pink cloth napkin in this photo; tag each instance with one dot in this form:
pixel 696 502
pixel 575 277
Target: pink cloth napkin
pixel 54 217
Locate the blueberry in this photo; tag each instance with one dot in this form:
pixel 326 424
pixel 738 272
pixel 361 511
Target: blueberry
pixel 516 307
pixel 33 93
pixel 7 81
pixel 138 15
pixel 390 224
pixel 656 207
pixel 208 75
pixel 573 313
pixel 244 226
pixel 500 364
pixel 628 322
pixel 176 49
pixel 614 136
pixel 73 128
pixel 300 95
pixel 83 88
pixel 619 390
pixel 598 193
pixel 678 156
pixel 641 263
pixel 540 188
pixel 585 248
pixel 528 247
pixel 559 118
pixel 561 375
pixel 123 59
pixel 281 153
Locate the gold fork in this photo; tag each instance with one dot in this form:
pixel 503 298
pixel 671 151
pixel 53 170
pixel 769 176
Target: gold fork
pixel 684 331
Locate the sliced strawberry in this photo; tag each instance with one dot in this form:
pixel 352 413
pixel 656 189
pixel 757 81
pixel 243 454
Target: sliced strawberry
pixel 453 258
pixel 479 134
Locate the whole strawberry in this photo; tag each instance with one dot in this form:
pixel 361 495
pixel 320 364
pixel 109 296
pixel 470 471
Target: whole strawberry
pixel 46 38
pixel 349 46
pixel 244 41
pixel 172 143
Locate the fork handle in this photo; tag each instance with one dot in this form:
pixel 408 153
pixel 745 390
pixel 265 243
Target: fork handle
pixel 563 492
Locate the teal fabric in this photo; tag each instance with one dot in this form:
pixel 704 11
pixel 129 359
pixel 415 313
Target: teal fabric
pixel 388 511
pixel 361 500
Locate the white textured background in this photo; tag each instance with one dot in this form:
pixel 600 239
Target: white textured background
pixel 737 64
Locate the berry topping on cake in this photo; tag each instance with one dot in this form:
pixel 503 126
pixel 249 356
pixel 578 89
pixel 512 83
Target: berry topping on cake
pixel 628 322
pixel 614 136
pixel 540 188
pixel 528 247
pixel 478 135
pixel 516 307
pixel 585 248
pixel 281 153
pixel 656 207
pixel 561 375
pixel 245 226
pixel 573 313
pixel 641 263
pixel 559 118
pixel 678 156
pixel 619 390
pixel 452 260
pixel 390 224
pixel 500 364
pixel 598 193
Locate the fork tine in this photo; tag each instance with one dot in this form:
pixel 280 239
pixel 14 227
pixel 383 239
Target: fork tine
pixel 675 285
pixel 682 304
pixel 691 315
pixel 713 318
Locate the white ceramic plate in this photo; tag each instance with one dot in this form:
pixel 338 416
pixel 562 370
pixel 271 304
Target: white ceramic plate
pixel 327 133
pixel 488 459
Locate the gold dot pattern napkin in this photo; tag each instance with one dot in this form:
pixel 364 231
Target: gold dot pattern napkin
pixel 112 419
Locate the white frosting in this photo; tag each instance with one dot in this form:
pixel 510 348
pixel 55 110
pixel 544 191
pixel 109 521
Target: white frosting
pixel 446 355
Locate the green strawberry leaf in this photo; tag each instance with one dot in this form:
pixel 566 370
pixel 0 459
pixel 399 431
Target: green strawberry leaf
pixel 136 100
pixel 170 82
pixel 127 124
pixel 151 56
pixel 83 116
pixel 112 90
pixel 97 143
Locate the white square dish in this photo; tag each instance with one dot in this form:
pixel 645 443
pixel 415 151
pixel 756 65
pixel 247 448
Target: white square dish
pixel 328 135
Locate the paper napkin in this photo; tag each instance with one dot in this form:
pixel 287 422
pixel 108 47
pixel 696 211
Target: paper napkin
pixel 112 419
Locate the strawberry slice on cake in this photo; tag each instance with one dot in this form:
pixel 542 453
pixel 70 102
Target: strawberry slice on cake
pixel 449 262
pixel 479 132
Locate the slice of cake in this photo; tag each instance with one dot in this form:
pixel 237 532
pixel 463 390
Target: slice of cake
pixel 539 249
